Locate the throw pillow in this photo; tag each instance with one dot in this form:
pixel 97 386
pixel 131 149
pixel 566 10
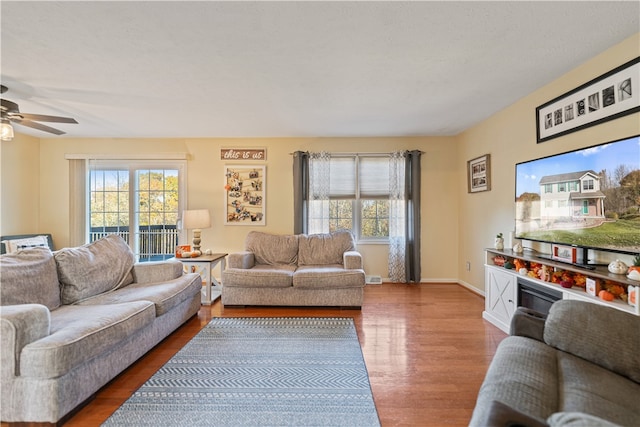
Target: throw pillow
pixel 13 246
pixel 29 277
pixel 272 249
pixel 95 268
pixel 325 249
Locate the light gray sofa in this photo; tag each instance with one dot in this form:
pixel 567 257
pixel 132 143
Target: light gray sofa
pixel 73 319
pixel 295 270
pixel 578 367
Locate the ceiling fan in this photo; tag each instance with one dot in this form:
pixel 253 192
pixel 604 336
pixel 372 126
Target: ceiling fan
pixel 9 112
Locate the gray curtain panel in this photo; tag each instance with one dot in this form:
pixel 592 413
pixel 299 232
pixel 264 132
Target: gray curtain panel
pixel 300 190
pixel 412 177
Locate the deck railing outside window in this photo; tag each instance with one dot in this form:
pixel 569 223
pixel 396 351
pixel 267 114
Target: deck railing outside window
pixel 156 242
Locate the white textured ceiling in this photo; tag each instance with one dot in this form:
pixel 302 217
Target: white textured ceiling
pixel 262 69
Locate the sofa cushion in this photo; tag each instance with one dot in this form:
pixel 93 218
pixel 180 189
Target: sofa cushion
pixel 94 268
pixel 272 249
pixel 260 276
pixel 322 249
pixel 29 277
pixel 327 276
pixel 589 388
pixel 165 295
pixel 607 346
pixel 80 333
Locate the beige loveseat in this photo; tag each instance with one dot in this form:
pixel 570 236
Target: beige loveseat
pixel 73 319
pixel 295 270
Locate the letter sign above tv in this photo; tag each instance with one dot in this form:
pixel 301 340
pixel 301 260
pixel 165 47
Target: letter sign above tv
pixel 588 198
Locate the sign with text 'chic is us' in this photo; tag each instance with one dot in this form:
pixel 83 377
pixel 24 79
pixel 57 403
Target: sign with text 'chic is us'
pixel 243 154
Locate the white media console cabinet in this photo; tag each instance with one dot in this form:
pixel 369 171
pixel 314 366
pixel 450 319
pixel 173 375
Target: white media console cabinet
pixel 501 286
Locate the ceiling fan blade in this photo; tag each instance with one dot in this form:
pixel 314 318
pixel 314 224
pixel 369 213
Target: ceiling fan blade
pixel 44 118
pixel 38 126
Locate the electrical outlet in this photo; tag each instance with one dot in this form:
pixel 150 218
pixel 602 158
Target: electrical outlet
pixel 468 266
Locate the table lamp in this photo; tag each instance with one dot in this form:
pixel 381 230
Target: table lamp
pixel 196 220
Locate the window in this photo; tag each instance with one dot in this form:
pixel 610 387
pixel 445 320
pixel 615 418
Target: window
pixel 562 187
pixel 587 184
pixel 141 202
pixel 359 195
pixel 548 188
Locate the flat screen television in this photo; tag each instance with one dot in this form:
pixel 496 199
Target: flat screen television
pixel 587 198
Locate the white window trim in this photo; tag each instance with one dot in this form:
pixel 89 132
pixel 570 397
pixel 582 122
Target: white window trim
pixel 79 168
pixel 357 217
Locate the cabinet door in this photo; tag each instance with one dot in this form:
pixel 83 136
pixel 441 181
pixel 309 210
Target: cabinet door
pixel 500 297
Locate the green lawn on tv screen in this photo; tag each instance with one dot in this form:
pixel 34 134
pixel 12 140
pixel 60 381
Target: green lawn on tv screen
pixel 621 234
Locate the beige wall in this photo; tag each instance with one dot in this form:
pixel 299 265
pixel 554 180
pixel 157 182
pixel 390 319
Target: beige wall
pixel 206 189
pixel 456 226
pixel 510 137
pixel 19 186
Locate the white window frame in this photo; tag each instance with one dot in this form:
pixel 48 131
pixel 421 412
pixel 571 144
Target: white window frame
pixel 132 166
pixel 356 202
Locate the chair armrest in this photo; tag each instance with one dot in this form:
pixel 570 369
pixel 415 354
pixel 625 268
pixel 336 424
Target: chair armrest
pixel 502 415
pixel 352 260
pixel 20 325
pixel 151 272
pixel 244 260
pixel 528 323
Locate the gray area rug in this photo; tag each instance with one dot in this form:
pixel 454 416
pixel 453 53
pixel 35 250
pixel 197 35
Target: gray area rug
pixel 259 372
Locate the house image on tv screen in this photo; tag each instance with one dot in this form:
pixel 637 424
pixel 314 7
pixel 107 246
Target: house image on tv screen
pixel 573 197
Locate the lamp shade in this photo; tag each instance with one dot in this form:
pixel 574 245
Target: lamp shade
pixel 196 219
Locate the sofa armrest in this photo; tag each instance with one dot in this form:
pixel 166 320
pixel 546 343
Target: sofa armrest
pixel 244 260
pixel 151 272
pixel 20 325
pixel 528 323
pixel 352 260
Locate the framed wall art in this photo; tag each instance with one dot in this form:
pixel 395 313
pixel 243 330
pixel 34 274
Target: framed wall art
pixel 607 97
pixel 244 195
pixel 479 174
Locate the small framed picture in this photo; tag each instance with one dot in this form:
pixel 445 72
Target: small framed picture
pixel 479 174
pixel 564 253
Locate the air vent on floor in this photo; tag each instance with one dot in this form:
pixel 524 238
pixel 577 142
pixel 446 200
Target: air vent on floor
pixel 373 280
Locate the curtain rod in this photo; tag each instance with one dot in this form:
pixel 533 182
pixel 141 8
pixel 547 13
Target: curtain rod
pixel 360 153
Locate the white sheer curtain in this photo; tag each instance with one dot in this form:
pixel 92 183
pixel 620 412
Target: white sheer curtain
pixel 319 173
pixel 397 217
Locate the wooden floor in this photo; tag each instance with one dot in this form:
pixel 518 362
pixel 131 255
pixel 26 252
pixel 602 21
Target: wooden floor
pixel 426 348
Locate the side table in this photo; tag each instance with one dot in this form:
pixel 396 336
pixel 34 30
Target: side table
pixel 204 265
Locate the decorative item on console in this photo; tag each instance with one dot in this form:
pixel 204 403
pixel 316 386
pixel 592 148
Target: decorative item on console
pixel 517 248
pixel 632 294
pixel 633 272
pixel 499 260
pixel 617 267
pixel 499 243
